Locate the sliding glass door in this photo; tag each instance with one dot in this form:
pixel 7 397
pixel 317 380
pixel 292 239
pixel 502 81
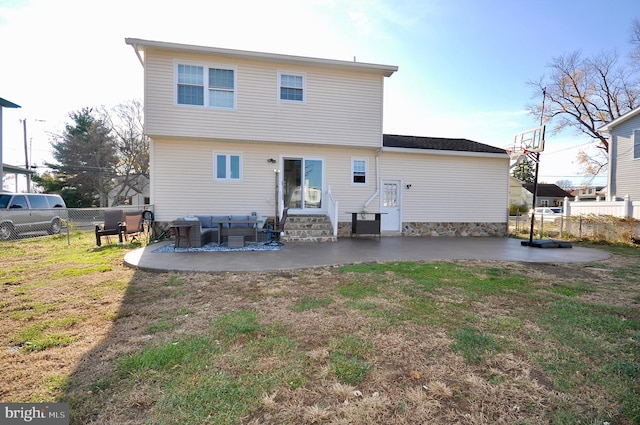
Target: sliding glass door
pixel 302 183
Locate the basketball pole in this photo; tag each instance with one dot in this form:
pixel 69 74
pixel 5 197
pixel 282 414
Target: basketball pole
pixel 535 178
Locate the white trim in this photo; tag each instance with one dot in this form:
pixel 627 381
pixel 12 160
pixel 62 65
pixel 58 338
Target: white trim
pixel 302 75
pixel 228 156
pixel 366 171
pixel 607 127
pixel 205 81
pixel 140 44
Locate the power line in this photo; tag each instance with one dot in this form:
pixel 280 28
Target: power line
pixel 566 149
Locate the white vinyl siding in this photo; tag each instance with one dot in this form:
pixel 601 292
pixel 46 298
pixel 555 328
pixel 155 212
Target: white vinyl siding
pixel 462 189
pixel 341 108
pixel 625 163
pixel 443 188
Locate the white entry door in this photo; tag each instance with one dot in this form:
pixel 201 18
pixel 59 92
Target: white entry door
pixel 391 206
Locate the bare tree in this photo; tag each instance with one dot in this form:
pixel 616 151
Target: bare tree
pixel 583 94
pixel 565 184
pixel 635 41
pixel 132 169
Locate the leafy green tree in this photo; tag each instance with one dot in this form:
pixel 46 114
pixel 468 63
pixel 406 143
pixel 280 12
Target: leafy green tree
pixel 86 153
pixel 524 171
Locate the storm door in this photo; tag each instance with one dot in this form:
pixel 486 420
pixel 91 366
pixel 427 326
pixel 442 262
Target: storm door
pixel 390 207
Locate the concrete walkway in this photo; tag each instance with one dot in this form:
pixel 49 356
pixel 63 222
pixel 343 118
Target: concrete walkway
pixel 363 250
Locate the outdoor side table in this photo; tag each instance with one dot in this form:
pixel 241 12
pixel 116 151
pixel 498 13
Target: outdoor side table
pixel 361 226
pixel 182 230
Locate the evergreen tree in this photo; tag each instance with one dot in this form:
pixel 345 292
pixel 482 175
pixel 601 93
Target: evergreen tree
pixel 87 156
pixel 524 171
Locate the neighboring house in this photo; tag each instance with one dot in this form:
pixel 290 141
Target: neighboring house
pixel 624 156
pixel 590 193
pixel 235 132
pixel 132 190
pixel 516 193
pixel 549 195
pixel 16 171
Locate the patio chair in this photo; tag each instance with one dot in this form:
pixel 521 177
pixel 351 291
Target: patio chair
pixel 132 225
pixel 112 226
pixel 273 234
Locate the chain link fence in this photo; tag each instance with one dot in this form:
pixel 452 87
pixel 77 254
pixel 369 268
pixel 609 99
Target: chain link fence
pixel 584 227
pixel 20 224
pixel 31 223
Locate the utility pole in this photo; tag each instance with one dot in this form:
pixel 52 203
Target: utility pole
pixel 26 155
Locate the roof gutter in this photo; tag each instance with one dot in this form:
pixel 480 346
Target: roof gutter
pixel 446 153
pixel 135 49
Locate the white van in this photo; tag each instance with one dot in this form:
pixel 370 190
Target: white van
pixel 547 213
pixel 30 213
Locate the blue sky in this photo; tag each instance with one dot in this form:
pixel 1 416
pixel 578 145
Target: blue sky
pixel 463 64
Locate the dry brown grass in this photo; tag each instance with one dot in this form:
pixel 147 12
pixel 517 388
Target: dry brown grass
pixel 417 378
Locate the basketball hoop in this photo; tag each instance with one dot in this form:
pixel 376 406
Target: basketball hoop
pixel 516 154
pixel 526 145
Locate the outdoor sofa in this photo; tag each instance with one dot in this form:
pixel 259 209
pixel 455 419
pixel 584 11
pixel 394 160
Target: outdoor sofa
pixel 205 228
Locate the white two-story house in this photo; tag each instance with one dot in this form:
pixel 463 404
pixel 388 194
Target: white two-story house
pixel 235 132
pixel 624 156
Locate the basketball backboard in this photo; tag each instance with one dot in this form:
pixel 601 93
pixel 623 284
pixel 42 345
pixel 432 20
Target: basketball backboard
pixel 531 140
pixel 526 143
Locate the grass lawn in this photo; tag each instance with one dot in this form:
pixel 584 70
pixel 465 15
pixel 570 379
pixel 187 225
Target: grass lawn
pixel 463 342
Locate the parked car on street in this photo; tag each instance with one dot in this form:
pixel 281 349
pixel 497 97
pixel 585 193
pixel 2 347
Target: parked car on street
pixel 30 213
pixel 547 213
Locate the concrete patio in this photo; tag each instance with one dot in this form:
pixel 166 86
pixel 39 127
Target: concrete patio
pixel 358 250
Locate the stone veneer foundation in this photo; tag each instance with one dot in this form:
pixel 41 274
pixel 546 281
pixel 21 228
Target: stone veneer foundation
pixel 419 229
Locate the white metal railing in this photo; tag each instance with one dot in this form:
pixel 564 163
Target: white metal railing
pixel 332 211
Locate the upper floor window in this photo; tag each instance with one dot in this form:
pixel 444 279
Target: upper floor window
pixel 227 166
pixel 636 144
pixel 291 87
pixel 219 82
pixel 359 171
pixel 190 85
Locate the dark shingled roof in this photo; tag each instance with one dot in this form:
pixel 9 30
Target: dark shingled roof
pixel 6 104
pixel 437 143
pixel 548 190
